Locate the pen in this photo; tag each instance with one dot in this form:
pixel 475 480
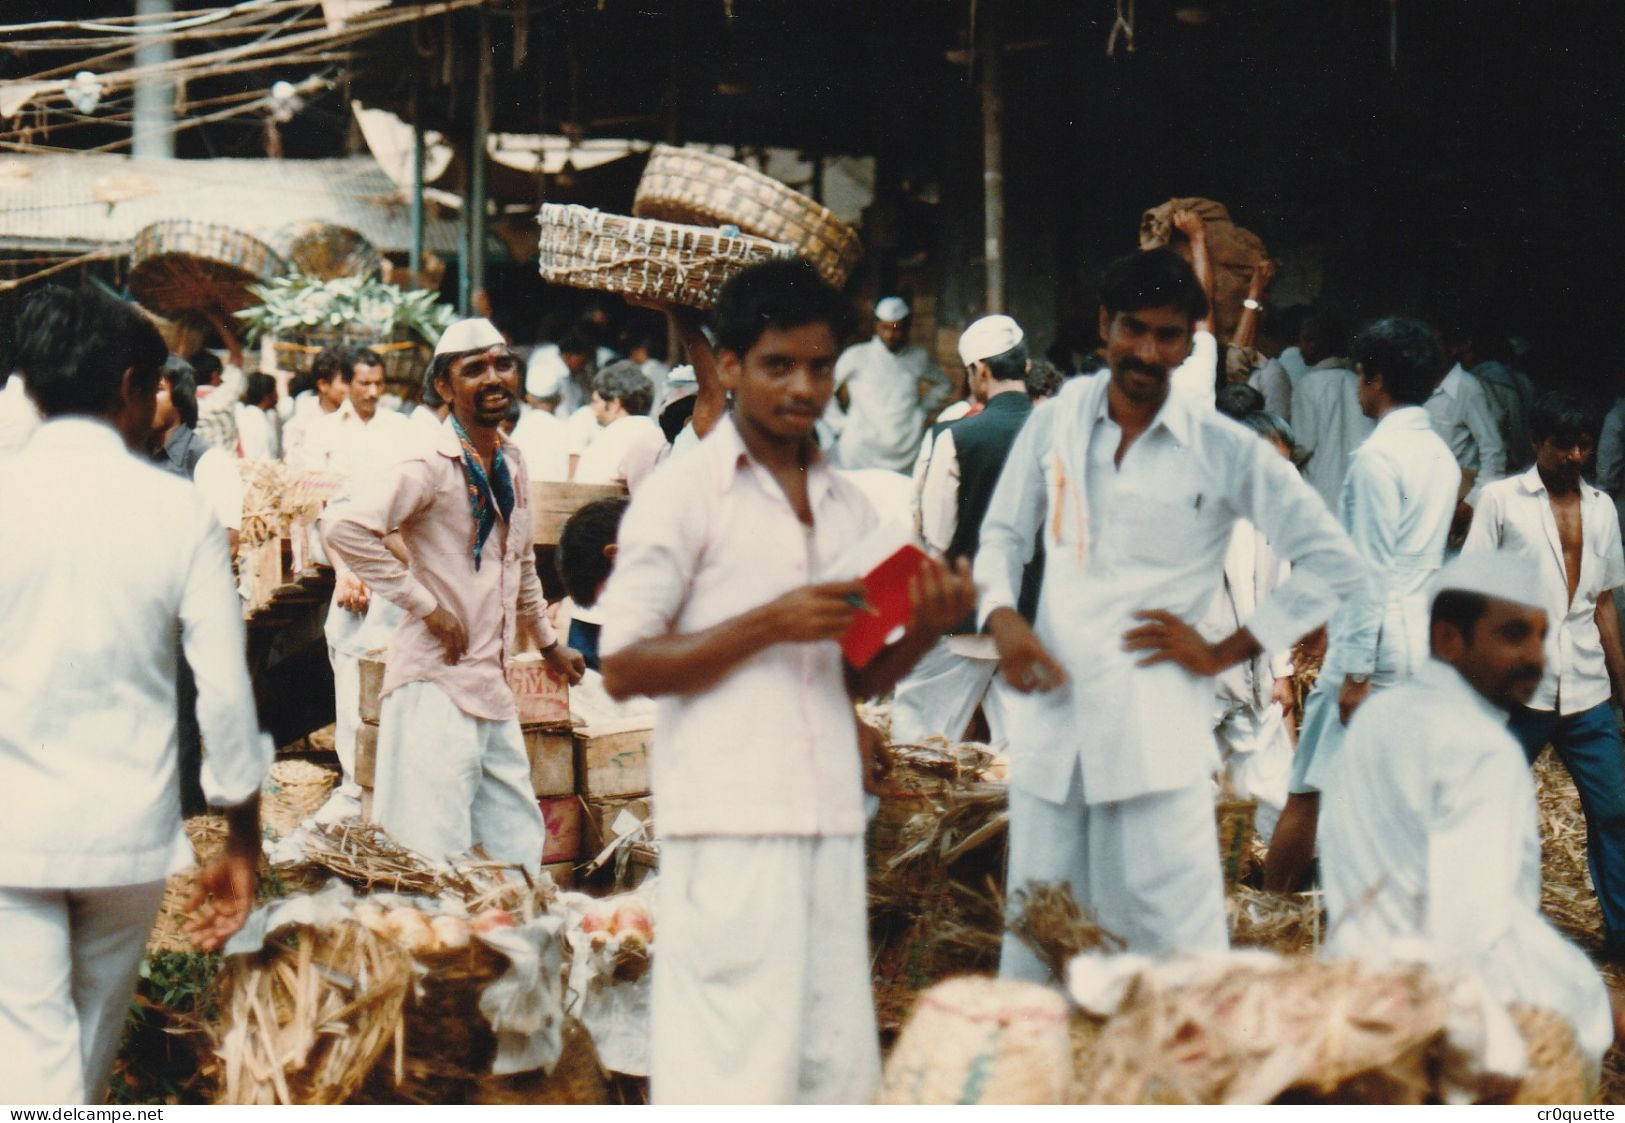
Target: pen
pixel 858 601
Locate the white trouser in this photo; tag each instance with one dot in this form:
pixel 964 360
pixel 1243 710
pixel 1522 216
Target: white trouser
pixel 939 696
pixel 1255 754
pixel 66 977
pixel 346 714
pixel 1147 868
pixel 447 781
pixel 762 992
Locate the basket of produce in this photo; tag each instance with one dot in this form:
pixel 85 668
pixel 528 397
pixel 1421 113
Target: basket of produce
pixel 690 186
pixel 178 265
pixel 686 265
pixel 325 250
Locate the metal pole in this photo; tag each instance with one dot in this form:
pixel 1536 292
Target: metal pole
pixel 415 258
pixel 475 204
pixel 153 127
pixel 991 50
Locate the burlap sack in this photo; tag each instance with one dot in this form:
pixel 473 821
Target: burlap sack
pixel 1233 251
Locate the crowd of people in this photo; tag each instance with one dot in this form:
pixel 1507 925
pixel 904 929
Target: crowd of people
pixel 1125 564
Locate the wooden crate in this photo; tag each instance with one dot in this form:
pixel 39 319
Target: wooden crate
pixel 552 503
pixel 552 761
pixel 562 816
pixel 372 685
pixel 541 693
pixel 366 754
pixel 601 814
pixel 612 760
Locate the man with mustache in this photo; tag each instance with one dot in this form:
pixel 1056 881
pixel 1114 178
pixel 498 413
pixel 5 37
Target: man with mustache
pixel 1136 491
pixel 452 772
pixel 1573 530
pixel 1430 827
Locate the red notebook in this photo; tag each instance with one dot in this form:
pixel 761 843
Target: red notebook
pixel 886 593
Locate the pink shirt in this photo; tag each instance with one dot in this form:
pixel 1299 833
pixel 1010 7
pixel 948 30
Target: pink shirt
pixel 771 749
pixel 426 498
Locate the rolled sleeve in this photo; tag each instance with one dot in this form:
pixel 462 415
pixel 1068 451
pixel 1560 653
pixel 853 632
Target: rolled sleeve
pixel 1009 534
pixel 236 753
pixel 654 563
pixel 355 531
pixel 1325 566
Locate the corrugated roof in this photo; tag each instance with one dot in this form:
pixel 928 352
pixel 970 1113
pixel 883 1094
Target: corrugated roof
pixel 91 199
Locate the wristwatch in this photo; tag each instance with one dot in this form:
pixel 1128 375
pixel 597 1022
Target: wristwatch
pixel 1252 305
pixel 1359 680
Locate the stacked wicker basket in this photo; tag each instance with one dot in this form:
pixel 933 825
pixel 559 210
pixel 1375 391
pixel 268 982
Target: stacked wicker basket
pixel 700 219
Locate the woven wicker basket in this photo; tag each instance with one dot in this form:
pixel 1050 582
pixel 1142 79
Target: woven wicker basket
pixel 686 265
pixel 694 187
pixel 325 250
pixel 405 356
pixel 179 265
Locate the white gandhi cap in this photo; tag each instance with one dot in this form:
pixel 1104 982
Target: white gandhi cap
pixel 891 309
pixel 989 336
pixel 1509 575
pixel 468 335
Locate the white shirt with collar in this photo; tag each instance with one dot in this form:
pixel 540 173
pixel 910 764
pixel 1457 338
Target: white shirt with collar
pixel 624 452
pixel 1151 534
pixel 342 442
pixel 1328 424
pixel 1462 414
pixel 885 420
pixel 1516 513
pixel 1398 500
pixel 771 748
pixel 87 676
pixel 1429 829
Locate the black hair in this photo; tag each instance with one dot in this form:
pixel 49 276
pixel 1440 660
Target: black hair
pixel 205 365
pixel 364 357
pixel 258 387
pixel 575 342
pixel 1272 426
pixel 1043 379
pixel 74 347
pixel 182 388
pixel 1326 328
pixel 438 366
pixel 1152 279
pixel 622 381
pixel 1405 352
pixel 330 363
pixel 1009 366
pixel 581 561
pixel 676 415
pixel 1237 399
pixel 1461 610
pixel 776 294
pixel 1565 417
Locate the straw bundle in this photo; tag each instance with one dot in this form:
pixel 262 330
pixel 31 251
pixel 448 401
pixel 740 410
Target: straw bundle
pixel 292 792
pixel 689 186
pixel 306 1019
pixel 1298 1030
pixel 277 498
pixel 1289 923
pixel 1566 893
pixel 975 1040
pixel 179 265
pixel 664 261
pixel 1050 921
pixel 364 855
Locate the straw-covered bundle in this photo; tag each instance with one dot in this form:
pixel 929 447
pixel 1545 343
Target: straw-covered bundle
pixel 277 497
pixel 1288 923
pixel 292 792
pixel 306 1019
pixel 1050 921
pixel 701 189
pixel 180 265
pixel 976 1040
pixel 365 855
pixel 1293 1030
pixel 590 249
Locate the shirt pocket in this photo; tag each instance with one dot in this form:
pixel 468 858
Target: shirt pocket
pixel 1165 529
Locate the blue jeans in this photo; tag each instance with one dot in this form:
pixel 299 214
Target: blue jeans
pixel 1589 745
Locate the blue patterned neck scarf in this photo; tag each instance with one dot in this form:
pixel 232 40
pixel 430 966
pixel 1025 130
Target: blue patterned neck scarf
pixel 483 488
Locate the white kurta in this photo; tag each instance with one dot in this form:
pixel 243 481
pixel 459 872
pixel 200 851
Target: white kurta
pixel 1397 503
pixel 1517 514
pixel 1462 414
pixel 1429 829
pixel 885 417
pixel 1328 424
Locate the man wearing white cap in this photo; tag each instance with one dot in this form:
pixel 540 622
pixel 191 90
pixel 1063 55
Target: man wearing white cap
pixel 452 772
pixel 1135 489
pixel 1430 825
pixel 886 389
pixel 958 469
